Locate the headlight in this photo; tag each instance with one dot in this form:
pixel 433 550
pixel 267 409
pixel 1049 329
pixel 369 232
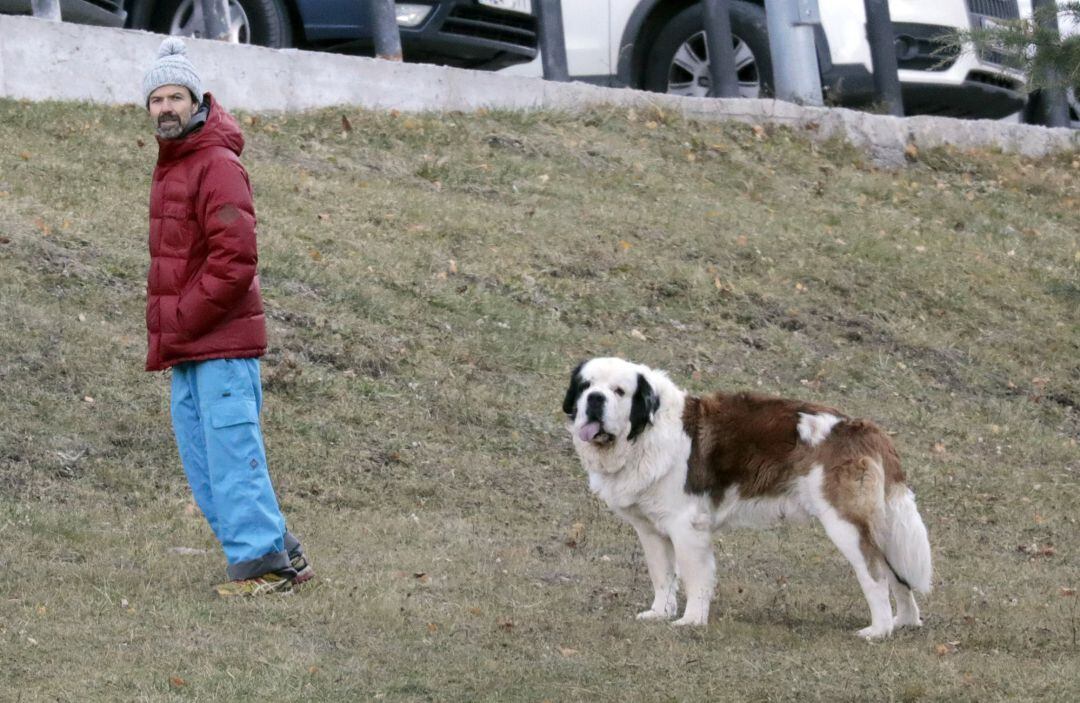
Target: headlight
pixel 523 6
pixel 411 14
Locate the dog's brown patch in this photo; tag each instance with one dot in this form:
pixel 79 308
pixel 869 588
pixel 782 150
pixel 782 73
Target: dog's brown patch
pixel 747 440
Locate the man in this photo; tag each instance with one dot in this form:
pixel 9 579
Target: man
pixel 204 320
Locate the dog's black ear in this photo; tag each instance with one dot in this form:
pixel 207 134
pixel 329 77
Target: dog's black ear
pixel 645 403
pixel 577 387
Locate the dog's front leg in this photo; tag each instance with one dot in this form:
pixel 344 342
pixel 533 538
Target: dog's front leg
pixel 697 569
pixel 659 558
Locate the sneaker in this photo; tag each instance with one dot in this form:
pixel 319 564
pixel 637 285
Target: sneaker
pixel 258 586
pixel 303 569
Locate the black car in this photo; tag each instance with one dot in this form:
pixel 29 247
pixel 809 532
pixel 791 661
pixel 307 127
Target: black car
pixel 489 34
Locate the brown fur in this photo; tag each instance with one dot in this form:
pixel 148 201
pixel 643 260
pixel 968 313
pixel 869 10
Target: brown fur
pixel 746 440
pixel 752 441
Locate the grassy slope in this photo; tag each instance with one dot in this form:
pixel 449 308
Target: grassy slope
pixel 430 281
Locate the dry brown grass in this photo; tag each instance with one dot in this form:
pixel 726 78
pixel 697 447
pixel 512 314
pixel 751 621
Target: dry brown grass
pixel 430 282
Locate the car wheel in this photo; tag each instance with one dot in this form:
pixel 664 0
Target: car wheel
pixel 262 22
pixel 678 61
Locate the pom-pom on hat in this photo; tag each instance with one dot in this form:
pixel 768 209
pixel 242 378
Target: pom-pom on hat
pixel 172 68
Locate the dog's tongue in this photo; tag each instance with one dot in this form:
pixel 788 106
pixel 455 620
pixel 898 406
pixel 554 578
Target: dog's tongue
pixel 587 432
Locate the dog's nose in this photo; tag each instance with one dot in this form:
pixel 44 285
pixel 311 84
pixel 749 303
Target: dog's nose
pixel 594 400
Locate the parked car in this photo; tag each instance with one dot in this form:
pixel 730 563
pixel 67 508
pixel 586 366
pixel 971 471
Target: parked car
pixel 487 34
pixel 659 45
pixel 107 13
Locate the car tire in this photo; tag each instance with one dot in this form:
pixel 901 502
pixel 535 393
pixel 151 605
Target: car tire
pixel 262 22
pixel 685 32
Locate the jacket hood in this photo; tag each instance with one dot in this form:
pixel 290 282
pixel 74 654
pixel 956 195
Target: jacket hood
pixel 221 129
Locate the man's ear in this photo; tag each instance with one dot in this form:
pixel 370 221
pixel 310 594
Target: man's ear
pixel 574 391
pixel 643 406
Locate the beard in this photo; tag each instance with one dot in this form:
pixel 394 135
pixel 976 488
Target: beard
pixel 169 126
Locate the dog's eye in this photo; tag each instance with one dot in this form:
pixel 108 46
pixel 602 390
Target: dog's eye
pixel 620 392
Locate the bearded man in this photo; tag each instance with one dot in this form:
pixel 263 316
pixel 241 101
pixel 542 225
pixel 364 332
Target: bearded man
pixel 204 320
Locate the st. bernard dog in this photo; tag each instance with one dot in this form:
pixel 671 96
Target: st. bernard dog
pixel 677 467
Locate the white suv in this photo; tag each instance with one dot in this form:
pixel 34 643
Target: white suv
pixel 659 45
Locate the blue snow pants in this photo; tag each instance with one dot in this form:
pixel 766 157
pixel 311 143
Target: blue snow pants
pixel 215 414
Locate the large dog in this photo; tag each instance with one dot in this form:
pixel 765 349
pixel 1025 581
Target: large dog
pixel 677 467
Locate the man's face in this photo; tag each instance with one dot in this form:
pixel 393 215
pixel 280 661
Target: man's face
pixel 171 108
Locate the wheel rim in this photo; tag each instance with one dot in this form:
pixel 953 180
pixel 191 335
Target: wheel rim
pixel 689 70
pixel 188 21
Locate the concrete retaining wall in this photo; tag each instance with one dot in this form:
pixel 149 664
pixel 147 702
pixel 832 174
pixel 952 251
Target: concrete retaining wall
pixel 49 61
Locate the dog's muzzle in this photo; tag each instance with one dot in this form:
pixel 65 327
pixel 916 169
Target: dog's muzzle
pixel 593 429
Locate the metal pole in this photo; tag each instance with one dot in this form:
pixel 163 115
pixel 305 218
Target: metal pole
pixel 721 48
pixel 552 39
pixel 48 10
pixel 385 29
pixel 1053 107
pixel 879 32
pixel 796 77
pixel 216 19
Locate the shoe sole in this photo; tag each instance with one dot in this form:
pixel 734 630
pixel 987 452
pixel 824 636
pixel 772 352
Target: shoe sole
pixel 303 576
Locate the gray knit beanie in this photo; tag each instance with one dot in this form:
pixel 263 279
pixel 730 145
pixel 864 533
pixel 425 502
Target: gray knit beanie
pixel 172 68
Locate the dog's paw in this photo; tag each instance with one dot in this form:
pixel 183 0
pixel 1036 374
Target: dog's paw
pixel 871 633
pixel 691 621
pixel 653 615
pixel 906 621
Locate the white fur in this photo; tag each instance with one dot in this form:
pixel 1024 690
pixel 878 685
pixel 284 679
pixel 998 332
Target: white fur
pixel 643 482
pixel 813 429
pixel 906 544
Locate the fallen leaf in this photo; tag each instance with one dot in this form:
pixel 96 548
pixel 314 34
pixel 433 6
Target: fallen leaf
pixel 637 334
pixel 911 152
pixel 576 535
pixel 176 682
pixel 567 651
pixel 452 267
pixel 945 648
pixel 475 611
pixel 506 624
pixel 140 142
pixel 345 124
pixel 24 155
pixel 1067 592
pixel 432 628
pixel 625 245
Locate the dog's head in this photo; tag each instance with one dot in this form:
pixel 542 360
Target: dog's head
pixel 609 400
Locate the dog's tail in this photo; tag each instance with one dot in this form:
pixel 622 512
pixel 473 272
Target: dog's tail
pixel 904 540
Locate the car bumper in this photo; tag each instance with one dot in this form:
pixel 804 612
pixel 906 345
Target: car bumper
pixel 456 34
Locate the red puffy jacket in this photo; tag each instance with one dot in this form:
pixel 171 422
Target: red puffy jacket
pixel 202 291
